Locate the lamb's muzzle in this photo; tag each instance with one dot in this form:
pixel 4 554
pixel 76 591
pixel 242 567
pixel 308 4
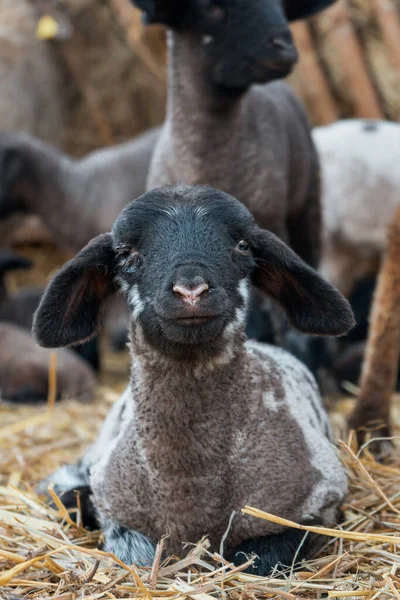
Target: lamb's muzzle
pixel 210 422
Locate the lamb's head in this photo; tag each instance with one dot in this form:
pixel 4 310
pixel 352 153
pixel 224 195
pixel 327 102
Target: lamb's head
pixel 185 257
pixel 247 41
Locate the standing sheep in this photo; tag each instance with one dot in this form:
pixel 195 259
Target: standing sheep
pixel 224 130
pixel 361 191
pixel 31 97
pixel 210 422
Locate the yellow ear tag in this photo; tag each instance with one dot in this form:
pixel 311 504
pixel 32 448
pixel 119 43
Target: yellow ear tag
pixel 47 28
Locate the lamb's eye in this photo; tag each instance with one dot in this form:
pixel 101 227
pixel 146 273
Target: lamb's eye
pixel 129 259
pixel 243 247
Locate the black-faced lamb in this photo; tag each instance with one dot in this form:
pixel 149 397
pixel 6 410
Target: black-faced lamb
pixel 18 308
pixel 361 191
pixel 210 422
pixel 224 130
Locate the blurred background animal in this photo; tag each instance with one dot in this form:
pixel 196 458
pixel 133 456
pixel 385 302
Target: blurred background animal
pixel 24 370
pixel 17 309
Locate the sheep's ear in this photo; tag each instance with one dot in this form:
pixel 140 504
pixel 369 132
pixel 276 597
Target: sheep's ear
pixel 73 303
pixel 301 9
pixel 167 12
pixel 10 262
pixel 312 304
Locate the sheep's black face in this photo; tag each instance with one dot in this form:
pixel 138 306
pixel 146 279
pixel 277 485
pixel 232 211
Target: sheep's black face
pixel 247 41
pixel 16 174
pixel 184 261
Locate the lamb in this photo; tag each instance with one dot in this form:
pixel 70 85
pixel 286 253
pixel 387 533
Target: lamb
pixel 361 191
pixel 24 369
pixel 76 199
pixel 18 308
pixel 224 130
pixel 209 422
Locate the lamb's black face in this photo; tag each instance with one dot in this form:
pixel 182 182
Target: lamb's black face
pixel 184 256
pixel 184 266
pixel 247 41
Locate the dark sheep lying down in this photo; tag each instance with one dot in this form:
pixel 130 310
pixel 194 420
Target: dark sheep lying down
pixel 18 308
pixel 24 370
pixel 210 421
pixel 24 366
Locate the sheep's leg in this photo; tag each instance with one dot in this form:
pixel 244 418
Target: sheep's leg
pixel 272 551
pixel 380 367
pixel 130 546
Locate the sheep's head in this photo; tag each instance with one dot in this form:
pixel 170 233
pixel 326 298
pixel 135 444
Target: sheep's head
pixel 185 258
pixel 17 173
pixel 247 41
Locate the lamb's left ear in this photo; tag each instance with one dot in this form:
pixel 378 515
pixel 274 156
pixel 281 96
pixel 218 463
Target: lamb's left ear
pixel 301 9
pixel 73 303
pixel 167 12
pixel 312 304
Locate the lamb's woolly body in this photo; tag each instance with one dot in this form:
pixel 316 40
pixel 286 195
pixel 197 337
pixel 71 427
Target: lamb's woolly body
pixel 210 422
pixel 174 458
pixel 361 183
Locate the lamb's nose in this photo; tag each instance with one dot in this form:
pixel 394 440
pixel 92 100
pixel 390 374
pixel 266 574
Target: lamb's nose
pixel 281 43
pixel 189 293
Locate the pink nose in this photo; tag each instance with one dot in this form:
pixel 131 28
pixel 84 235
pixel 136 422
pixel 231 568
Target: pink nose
pixel 189 295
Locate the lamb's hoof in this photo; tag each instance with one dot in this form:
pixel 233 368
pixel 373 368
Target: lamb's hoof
pixel 130 546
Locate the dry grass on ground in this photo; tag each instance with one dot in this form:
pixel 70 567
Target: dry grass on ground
pixel 43 554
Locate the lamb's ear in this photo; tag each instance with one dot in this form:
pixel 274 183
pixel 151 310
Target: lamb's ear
pixel 301 9
pixel 167 12
pixel 10 262
pixel 312 304
pixel 73 303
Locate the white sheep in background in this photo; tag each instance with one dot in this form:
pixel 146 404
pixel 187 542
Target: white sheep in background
pixel 361 190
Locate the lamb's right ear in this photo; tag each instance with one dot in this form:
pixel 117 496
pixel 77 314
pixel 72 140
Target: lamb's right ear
pixel 73 303
pixel 312 304
pixel 167 12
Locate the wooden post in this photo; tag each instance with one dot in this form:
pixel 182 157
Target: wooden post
pixel 313 81
pixel 389 23
pixel 344 42
pixel 381 361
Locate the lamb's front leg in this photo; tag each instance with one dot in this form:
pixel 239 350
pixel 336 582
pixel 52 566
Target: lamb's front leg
pixel 130 546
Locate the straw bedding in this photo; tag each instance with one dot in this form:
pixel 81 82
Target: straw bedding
pixel 43 554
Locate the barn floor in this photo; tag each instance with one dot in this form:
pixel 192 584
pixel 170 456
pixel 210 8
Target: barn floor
pixel 43 554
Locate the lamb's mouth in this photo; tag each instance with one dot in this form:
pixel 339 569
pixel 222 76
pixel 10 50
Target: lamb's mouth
pixel 190 321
